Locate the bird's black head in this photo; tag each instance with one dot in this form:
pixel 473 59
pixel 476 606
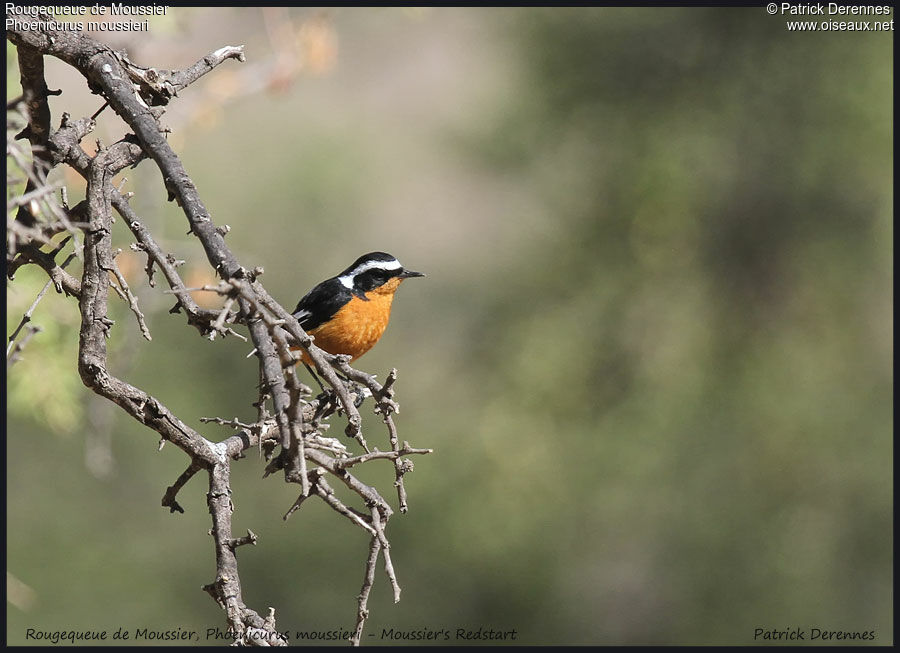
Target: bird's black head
pixel 373 270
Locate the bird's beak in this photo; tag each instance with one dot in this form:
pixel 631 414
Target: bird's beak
pixel 406 274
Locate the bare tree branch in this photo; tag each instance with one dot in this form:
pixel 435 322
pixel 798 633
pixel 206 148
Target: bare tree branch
pixel 34 95
pixel 297 422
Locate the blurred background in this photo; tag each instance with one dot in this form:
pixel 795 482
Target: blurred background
pixel 653 353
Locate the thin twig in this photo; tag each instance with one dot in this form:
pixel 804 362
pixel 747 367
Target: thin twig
pixel 326 492
pixel 130 298
pixel 14 355
pixel 26 318
pixel 218 325
pixel 233 423
pixel 362 610
pixel 386 551
pixel 168 500
pixel 381 455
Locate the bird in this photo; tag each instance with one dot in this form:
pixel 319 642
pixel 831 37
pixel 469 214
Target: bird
pixel 348 313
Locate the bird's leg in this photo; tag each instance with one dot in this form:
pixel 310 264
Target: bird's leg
pixel 329 395
pixel 315 376
pixel 325 398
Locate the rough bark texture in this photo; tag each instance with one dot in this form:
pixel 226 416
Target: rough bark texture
pixel 291 433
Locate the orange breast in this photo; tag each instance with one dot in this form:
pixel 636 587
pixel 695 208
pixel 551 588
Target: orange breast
pixel 358 325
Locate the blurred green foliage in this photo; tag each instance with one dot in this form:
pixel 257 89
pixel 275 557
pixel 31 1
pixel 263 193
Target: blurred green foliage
pixel 710 327
pixel 654 357
pixel 51 359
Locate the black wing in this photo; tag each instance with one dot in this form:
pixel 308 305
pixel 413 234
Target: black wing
pixel 321 303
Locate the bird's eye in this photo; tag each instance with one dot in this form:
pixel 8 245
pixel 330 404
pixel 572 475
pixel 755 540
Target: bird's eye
pixel 371 279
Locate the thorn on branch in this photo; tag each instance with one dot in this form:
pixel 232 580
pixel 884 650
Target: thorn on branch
pixel 211 589
pixel 249 538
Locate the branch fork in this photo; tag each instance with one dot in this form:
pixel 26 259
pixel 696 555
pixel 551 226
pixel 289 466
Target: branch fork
pixel 296 422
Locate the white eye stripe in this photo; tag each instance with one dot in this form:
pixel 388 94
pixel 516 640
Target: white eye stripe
pixel 347 279
pixel 372 265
